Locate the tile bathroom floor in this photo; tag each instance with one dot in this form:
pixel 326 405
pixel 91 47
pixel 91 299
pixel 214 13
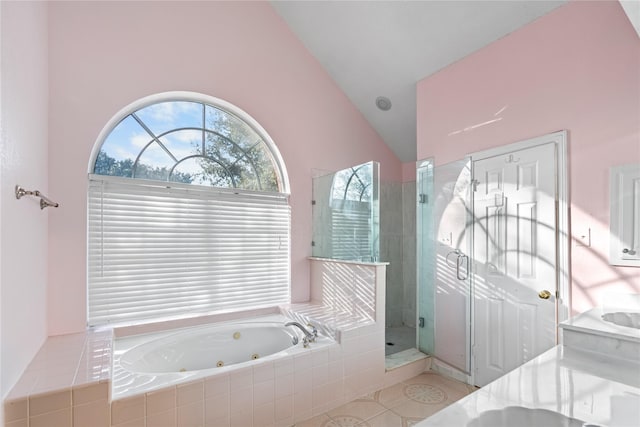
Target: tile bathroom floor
pixel 401 405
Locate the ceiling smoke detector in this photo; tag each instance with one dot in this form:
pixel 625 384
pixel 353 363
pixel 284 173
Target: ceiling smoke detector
pixel 383 103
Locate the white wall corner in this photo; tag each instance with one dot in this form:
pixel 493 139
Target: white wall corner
pixel 24 161
pixel 632 9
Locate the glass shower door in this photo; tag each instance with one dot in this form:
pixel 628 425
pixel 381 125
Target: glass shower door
pixel 425 245
pixel 444 223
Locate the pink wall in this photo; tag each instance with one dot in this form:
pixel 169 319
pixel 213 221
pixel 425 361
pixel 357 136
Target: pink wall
pixel 104 56
pixel 577 68
pixel 23 160
pixel 408 171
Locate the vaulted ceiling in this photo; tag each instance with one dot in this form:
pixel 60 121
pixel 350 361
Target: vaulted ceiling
pixel 383 48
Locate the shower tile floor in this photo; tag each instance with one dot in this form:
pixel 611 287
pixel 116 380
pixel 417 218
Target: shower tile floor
pixel 402 405
pixel 398 339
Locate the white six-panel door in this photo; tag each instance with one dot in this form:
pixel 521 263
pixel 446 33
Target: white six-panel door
pixel 514 259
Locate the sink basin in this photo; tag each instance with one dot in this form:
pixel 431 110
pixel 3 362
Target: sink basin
pixel 631 320
pixel 521 416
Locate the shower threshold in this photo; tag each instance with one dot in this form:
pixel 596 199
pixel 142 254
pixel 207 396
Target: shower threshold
pixel 402 358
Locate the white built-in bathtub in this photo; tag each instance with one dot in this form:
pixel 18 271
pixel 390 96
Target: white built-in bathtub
pixel 144 363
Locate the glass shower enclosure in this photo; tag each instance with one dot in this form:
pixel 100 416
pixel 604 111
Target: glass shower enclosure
pixel 444 224
pixel 346 214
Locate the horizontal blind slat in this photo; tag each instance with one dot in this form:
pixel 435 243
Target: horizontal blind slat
pixel 157 251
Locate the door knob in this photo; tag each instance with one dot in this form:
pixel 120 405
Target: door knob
pixel 545 294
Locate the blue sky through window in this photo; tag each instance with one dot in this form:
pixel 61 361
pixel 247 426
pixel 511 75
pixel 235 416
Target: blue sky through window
pixel 165 116
pixel 188 142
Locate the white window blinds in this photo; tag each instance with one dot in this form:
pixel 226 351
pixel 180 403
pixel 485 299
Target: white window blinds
pixel 350 229
pixel 158 252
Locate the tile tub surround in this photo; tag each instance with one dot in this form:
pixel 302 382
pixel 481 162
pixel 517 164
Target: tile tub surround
pixel 575 383
pixel 67 382
pixel 127 382
pixel 348 291
pixel 277 393
pixel 274 393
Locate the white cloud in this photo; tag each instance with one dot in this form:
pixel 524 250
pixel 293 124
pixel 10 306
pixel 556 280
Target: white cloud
pixel 187 135
pixel 161 112
pixel 122 153
pixel 139 140
pixel 183 144
pixel 136 142
pixel 167 112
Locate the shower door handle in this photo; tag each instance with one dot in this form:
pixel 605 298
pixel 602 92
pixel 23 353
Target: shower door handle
pixel 462 259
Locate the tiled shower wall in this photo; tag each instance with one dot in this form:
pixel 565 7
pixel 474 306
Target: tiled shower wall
pixel 398 248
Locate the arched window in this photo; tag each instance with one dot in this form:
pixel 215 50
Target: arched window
pixel 354 183
pixel 187 212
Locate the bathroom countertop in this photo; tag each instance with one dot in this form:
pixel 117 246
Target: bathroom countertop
pixel 591 322
pixel 579 384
